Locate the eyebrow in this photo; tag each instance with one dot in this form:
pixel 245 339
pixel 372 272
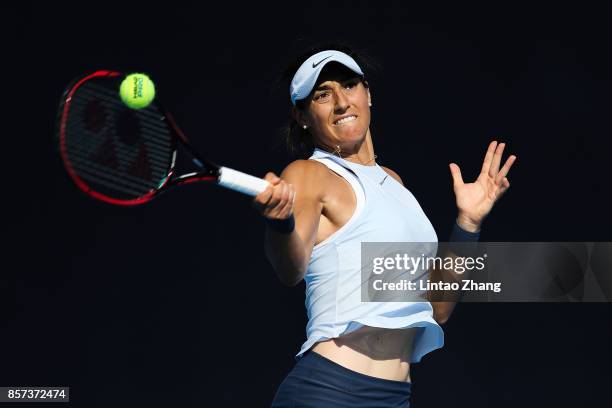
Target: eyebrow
pixel 343 81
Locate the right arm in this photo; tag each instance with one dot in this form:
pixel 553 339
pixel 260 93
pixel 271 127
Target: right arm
pixel 298 193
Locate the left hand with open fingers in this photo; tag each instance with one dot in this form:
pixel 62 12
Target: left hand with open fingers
pixel 475 200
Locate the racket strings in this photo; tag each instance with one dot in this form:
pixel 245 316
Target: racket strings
pixel 105 148
pixel 117 151
pixel 104 162
pixel 155 131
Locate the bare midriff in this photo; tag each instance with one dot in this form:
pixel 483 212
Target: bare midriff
pixel 373 351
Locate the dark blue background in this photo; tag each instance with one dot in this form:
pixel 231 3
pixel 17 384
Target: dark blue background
pixel 174 303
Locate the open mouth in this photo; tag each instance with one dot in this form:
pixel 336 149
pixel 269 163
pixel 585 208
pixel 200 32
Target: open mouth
pixel 345 120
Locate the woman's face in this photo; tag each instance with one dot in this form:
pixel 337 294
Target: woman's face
pixel 338 110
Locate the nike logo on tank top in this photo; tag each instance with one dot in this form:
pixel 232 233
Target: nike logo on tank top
pixel 385 212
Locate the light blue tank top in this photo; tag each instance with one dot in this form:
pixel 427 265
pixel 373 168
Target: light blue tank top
pixel 385 212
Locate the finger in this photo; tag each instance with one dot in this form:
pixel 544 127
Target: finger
pixel 264 197
pixel 282 197
pixel 496 160
pixel 273 201
pixel 286 193
pixel 272 178
pixel 486 164
pixel 504 170
pixel 285 205
pixel 505 184
pixel 287 210
pixel 456 173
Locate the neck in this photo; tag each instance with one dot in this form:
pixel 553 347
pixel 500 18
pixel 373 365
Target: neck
pixel 361 153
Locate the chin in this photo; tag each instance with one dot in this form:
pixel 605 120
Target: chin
pixel 353 134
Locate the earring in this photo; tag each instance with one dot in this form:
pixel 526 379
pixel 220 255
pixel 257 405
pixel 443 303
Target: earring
pixel 370 104
pixel 305 127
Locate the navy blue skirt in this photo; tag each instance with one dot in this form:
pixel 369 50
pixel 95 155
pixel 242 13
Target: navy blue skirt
pixel 318 382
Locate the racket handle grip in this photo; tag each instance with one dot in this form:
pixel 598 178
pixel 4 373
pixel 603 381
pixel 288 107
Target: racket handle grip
pixel 241 182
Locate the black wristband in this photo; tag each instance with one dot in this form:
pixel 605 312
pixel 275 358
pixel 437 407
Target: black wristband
pixel 465 242
pixel 458 234
pixel 285 226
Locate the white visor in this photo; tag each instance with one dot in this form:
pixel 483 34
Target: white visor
pixel 306 76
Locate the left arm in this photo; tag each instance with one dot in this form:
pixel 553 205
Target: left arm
pixel 474 202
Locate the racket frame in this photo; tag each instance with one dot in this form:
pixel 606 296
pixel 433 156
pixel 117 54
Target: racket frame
pixel 210 173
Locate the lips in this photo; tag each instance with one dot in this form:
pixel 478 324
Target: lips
pixel 345 119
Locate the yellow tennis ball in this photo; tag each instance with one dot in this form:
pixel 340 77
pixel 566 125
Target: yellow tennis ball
pixel 137 91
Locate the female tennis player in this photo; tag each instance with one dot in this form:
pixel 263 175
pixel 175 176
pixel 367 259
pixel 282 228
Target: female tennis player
pixel 357 354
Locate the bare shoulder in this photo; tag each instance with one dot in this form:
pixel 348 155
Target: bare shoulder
pixel 303 169
pixel 393 174
pixel 306 175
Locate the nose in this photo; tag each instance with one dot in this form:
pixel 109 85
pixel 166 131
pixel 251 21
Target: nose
pixel 342 102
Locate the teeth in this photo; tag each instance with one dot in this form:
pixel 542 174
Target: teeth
pixel 347 119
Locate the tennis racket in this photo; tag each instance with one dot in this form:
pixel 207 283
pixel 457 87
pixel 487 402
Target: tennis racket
pixel 124 156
